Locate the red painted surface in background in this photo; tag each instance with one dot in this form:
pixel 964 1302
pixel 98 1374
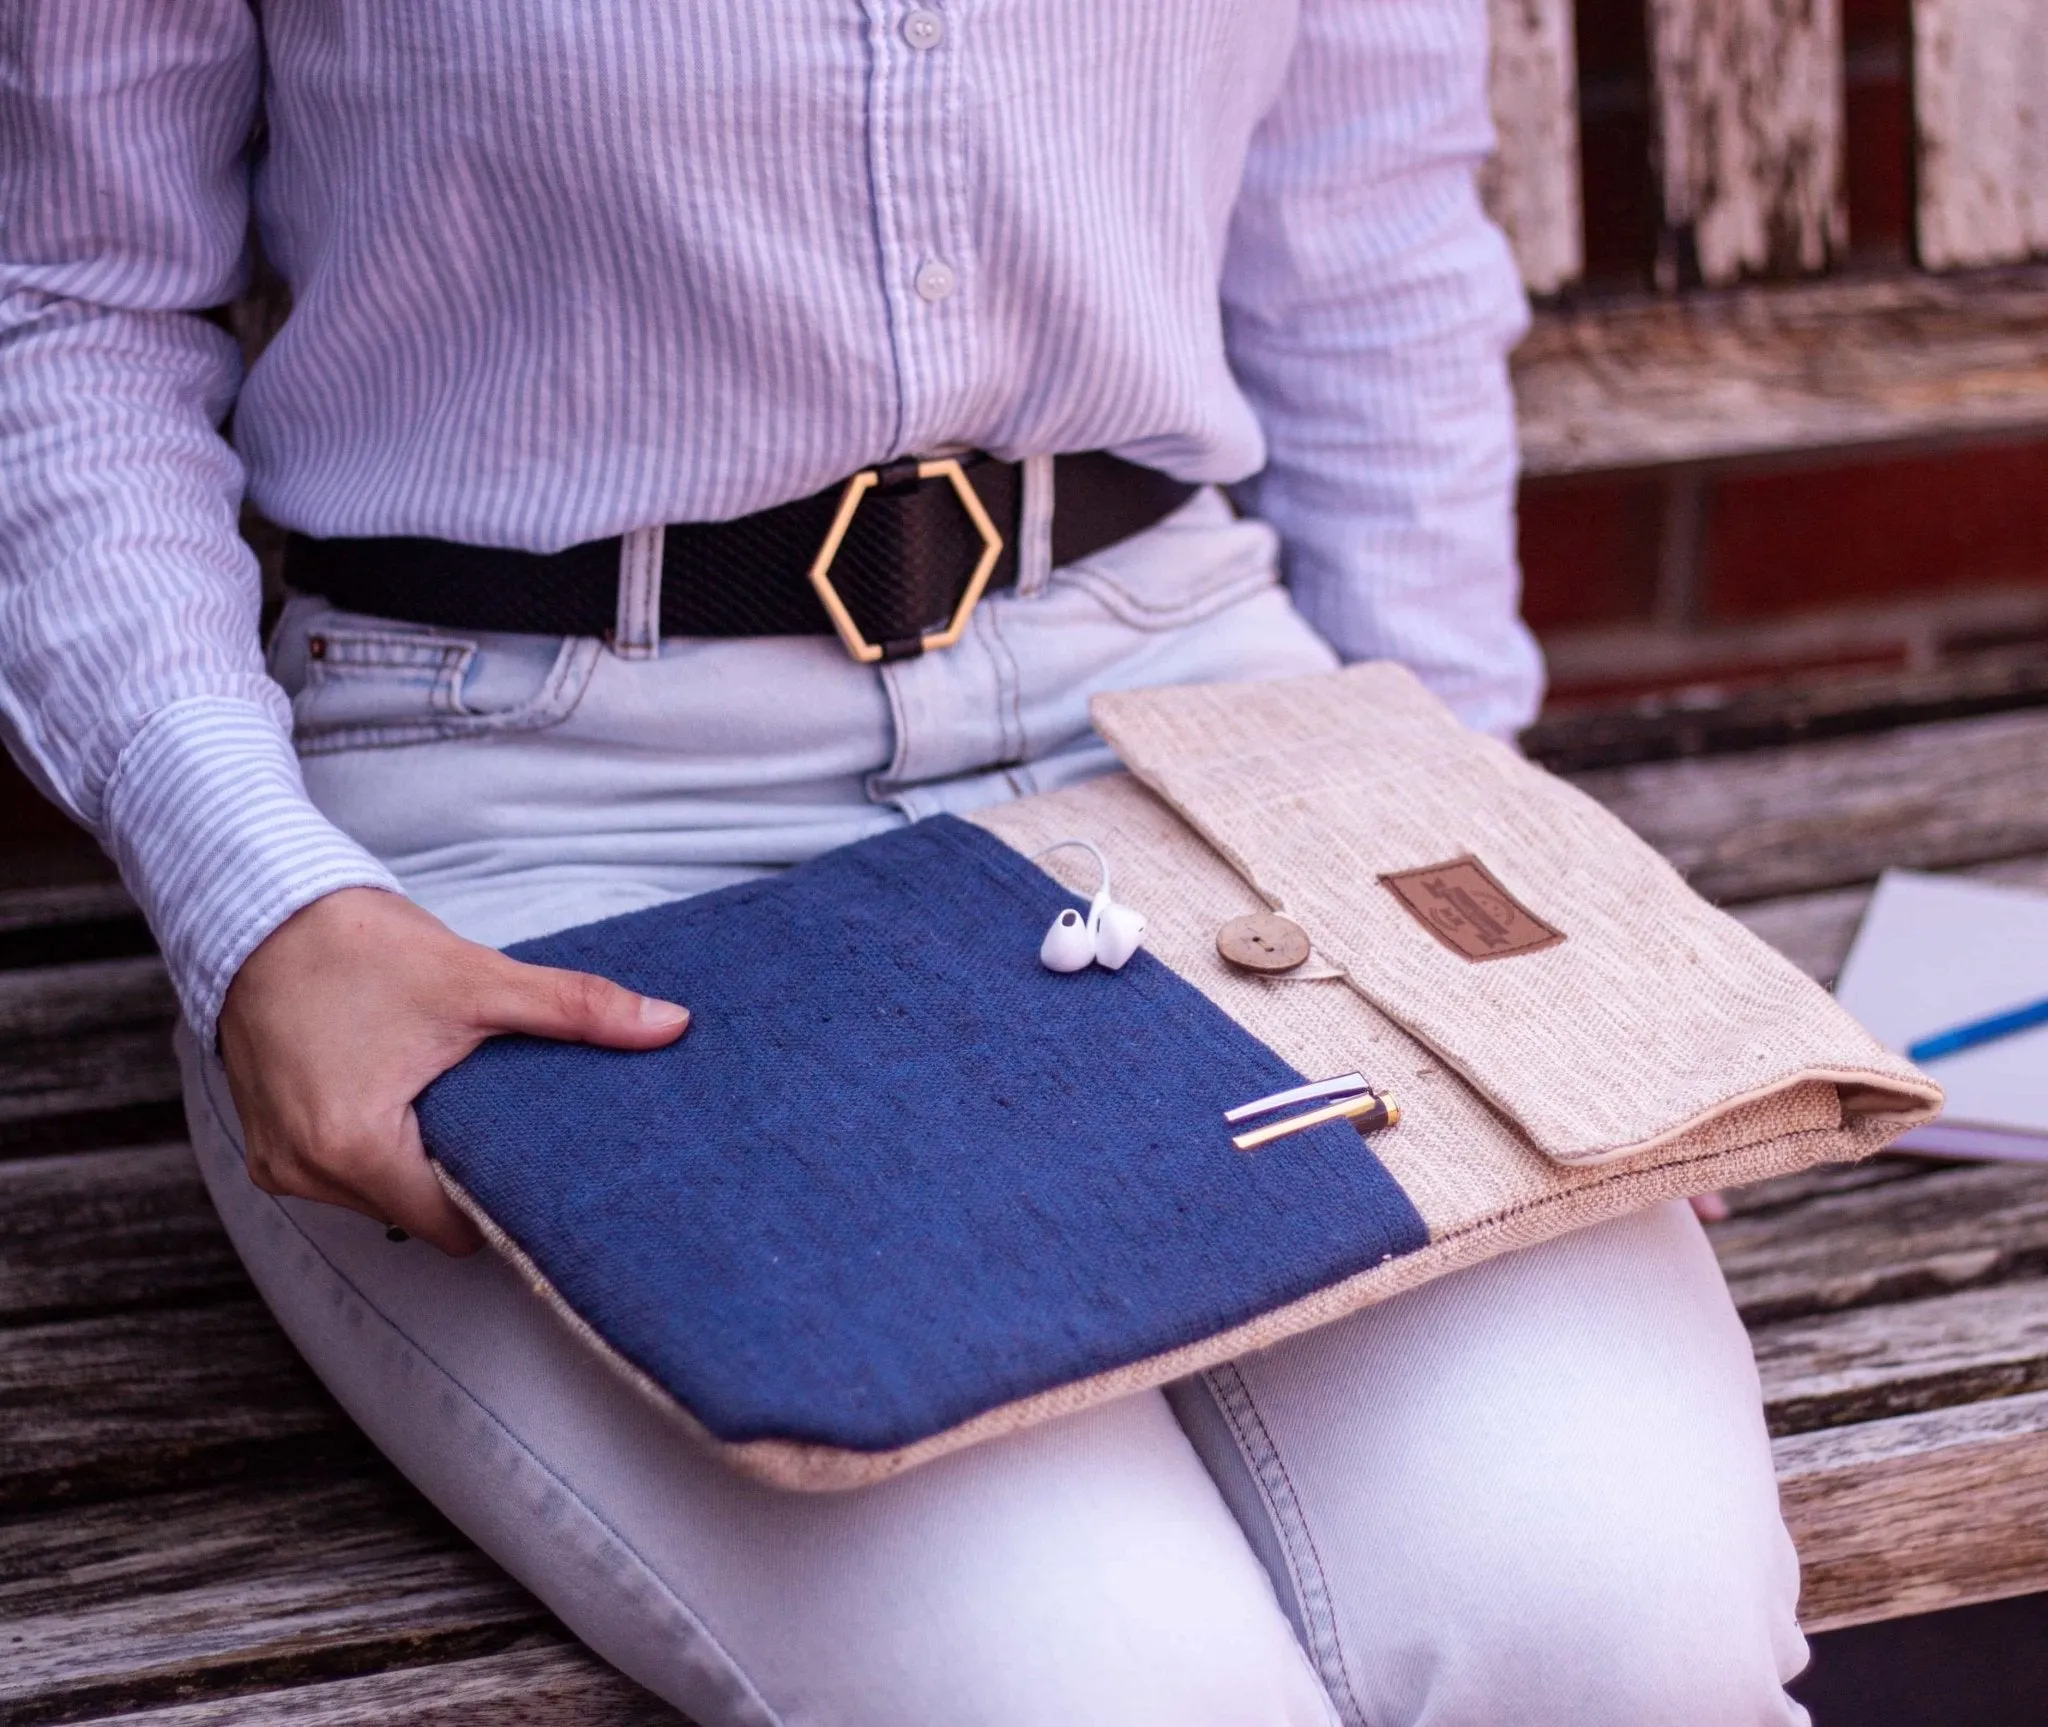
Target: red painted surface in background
pixel 1803 540
pixel 1589 551
pixel 1877 46
pixel 1875 530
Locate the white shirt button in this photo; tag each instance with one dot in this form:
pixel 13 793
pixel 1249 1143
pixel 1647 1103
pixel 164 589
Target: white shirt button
pixel 936 281
pixel 924 30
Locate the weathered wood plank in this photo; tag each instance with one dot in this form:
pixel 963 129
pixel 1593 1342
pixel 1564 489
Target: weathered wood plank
pixel 1748 128
pixel 1761 371
pixel 63 922
pixel 1980 88
pixel 1789 1192
pixel 560 1685
pixel 92 1036
pixel 96 1231
pixel 157 1599
pixel 1919 1512
pixel 89 999
pixel 1904 1358
pixel 1775 822
pixel 1941 1230
pixel 44 1078
pixel 91 1408
pixel 1696 719
pixel 1531 183
pixel 1814 931
pixel 64 903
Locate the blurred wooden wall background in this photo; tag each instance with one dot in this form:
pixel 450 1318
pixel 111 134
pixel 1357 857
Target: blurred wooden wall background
pixel 1786 405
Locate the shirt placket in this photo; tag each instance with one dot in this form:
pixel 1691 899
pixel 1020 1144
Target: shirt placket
pixel 952 710
pixel 921 216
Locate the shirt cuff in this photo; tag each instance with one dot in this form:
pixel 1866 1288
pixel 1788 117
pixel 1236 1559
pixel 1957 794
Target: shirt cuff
pixel 207 817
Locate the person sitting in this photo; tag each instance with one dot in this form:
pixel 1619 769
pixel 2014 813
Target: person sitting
pixel 596 310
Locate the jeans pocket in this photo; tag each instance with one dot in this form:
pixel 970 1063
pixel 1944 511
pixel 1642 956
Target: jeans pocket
pixel 1194 564
pixel 371 683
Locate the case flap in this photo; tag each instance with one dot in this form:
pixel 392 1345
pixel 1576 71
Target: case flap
pixel 1499 915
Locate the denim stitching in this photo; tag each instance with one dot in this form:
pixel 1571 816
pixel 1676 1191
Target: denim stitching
pixel 1009 684
pixel 553 703
pixel 1283 1503
pixel 1125 602
pixel 353 651
pixel 222 1119
pixel 1128 607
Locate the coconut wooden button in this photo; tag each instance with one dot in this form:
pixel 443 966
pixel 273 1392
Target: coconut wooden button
pixel 1263 941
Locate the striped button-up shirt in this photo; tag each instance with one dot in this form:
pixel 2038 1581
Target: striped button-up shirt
pixel 563 269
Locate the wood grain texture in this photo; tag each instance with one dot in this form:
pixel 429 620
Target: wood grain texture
pixel 61 922
pixel 559 1685
pixel 1788 1192
pixel 151 1600
pixel 1760 371
pixel 1814 930
pixel 1531 182
pixel 1773 822
pixel 72 1001
pixel 93 1408
pixel 1703 721
pixel 104 1230
pixel 1980 86
pixel 1920 1512
pixel 92 1036
pixel 64 903
pixel 1903 1358
pixel 1931 1230
pixel 1748 137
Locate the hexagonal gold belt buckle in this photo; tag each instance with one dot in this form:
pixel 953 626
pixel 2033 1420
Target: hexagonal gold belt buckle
pixel 857 488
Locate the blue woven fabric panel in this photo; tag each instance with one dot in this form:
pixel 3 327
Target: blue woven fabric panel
pixel 897 1173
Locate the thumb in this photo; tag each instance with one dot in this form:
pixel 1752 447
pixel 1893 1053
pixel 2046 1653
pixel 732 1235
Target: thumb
pixel 578 1007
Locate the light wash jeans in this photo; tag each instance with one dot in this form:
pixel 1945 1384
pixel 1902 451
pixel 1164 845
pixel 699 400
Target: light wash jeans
pixel 1538 1491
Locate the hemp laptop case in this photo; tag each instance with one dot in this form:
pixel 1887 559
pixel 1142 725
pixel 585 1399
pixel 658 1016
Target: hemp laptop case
pixel 900 1188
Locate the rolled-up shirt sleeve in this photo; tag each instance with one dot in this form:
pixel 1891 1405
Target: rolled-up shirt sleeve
pixel 1369 309
pixel 132 688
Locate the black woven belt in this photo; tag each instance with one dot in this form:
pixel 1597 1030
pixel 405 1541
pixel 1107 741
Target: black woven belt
pixel 893 560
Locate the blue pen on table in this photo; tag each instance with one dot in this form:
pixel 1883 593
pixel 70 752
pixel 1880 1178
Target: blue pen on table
pixel 1988 1030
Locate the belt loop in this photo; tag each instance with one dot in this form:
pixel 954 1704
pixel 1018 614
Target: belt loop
pixel 1034 527
pixel 636 635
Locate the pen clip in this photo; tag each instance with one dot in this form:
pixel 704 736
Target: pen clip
pixel 1368 1111
pixel 1344 1085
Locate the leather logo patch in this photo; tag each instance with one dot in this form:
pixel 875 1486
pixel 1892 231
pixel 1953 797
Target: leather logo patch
pixel 1461 904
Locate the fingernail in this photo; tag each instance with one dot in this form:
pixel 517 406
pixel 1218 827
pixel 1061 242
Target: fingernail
pixel 662 1015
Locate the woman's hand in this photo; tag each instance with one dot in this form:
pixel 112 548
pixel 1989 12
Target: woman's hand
pixel 340 1018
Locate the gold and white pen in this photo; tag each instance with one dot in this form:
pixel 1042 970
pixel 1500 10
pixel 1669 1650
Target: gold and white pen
pixel 1352 1099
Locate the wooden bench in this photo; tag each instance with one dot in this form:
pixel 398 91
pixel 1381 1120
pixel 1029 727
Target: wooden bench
pixel 1745 344
pixel 193 1530
pixel 1899 1309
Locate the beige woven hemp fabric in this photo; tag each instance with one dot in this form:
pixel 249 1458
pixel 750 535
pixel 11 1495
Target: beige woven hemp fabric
pixel 1651 1018
pixel 1571 1032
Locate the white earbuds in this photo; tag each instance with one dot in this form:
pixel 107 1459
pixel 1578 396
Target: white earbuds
pixel 1107 936
pixel 1069 945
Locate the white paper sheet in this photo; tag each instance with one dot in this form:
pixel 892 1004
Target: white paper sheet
pixel 1934 952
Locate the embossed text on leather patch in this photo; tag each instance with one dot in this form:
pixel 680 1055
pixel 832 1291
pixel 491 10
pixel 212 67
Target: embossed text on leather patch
pixel 1461 904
